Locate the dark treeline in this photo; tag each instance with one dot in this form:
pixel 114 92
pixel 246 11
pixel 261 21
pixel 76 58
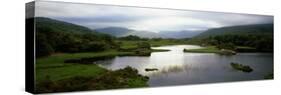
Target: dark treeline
pixel 48 42
pixel 262 43
pixel 137 38
pixel 133 38
pixel 254 38
pixel 55 36
pixel 254 29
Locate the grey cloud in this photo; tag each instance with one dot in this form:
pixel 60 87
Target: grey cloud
pixel 100 19
pixel 97 16
pixel 231 19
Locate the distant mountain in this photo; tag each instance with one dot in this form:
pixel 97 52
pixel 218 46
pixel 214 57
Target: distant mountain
pixel 145 34
pixel 255 29
pixel 122 32
pixel 115 31
pixel 61 26
pixel 179 34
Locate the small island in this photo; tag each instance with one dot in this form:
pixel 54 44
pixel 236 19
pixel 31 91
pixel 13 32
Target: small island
pixel 241 67
pixel 212 49
pixel 151 69
pixel 224 49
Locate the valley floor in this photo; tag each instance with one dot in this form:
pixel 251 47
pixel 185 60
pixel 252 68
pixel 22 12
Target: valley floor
pixel 54 74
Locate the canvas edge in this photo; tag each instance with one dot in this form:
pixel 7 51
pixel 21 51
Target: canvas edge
pixel 29 47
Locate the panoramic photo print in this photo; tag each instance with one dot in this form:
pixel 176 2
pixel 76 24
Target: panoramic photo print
pixel 81 47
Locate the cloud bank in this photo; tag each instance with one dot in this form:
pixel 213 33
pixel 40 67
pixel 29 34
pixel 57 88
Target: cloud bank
pixel 146 19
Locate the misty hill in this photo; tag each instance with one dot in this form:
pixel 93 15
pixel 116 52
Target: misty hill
pixel 179 34
pixel 255 29
pixel 122 32
pixel 115 31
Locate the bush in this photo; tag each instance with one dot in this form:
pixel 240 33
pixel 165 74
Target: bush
pixel 48 42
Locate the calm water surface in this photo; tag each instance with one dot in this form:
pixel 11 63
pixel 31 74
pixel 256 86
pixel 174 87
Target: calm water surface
pixel 176 67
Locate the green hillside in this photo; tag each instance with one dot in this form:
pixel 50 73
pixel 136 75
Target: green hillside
pixel 54 36
pixel 256 29
pixel 59 47
pixel 59 26
pixel 258 36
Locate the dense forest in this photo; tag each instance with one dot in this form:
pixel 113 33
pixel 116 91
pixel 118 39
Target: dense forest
pixel 56 36
pixel 261 43
pixel 254 29
pixel 258 36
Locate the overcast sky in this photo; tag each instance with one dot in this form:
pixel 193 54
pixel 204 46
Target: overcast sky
pixel 147 19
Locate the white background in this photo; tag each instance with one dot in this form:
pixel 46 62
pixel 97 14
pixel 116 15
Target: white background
pixel 12 48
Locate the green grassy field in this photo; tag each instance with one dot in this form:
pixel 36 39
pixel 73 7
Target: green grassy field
pixel 52 72
pixel 54 66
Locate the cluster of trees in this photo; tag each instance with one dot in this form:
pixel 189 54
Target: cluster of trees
pixel 48 42
pixel 137 38
pixel 260 42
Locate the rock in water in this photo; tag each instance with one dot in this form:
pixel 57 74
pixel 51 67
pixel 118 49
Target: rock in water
pixel 241 67
pixel 151 69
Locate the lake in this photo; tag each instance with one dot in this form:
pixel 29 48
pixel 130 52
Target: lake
pixel 176 67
